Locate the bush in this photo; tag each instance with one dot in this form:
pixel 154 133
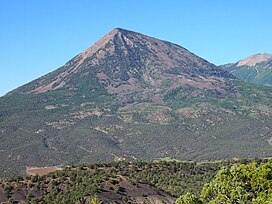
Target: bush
pixel 245 183
pixel 188 198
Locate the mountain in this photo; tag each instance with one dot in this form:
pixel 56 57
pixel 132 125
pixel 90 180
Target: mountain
pixel 125 63
pixel 128 97
pixel 256 69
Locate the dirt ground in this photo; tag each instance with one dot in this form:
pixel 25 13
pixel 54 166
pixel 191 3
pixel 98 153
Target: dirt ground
pixel 41 170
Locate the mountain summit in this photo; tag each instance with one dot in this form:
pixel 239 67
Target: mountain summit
pixel 126 62
pixel 255 59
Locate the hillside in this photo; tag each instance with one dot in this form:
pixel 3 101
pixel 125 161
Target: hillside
pixel 128 97
pixel 256 69
pixel 126 182
pixel 113 182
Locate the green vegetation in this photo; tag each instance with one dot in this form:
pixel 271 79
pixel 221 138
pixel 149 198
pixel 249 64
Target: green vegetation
pixel 235 181
pixel 95 200
pixel 239 183
pixel 188 198
pixel 192 124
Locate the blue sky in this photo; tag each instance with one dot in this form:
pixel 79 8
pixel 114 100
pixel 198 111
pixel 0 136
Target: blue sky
pixel 37 37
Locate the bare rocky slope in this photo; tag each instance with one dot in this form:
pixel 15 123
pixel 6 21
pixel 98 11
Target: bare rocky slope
pixel 128 97
pixel 127 63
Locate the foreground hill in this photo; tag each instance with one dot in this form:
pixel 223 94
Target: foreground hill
pixel 143 182
pixel 130 96
pixel 256 68
pixel 113 182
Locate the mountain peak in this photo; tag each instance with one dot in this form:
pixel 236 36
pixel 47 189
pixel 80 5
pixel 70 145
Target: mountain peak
pixel 124 61
pixel 93 49
pixel 255 59
pixel 122 30
pixel 100 43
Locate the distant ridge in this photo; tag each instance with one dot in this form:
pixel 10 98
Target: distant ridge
pixel 255 59
pixel 256 68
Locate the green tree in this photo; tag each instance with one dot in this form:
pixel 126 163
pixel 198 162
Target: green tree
pixel 245 183
pixel 188 198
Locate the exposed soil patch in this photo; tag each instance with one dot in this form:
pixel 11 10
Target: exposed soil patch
pixel 2 196
pixel 202 83
pixel 41 170
pixel 137 192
